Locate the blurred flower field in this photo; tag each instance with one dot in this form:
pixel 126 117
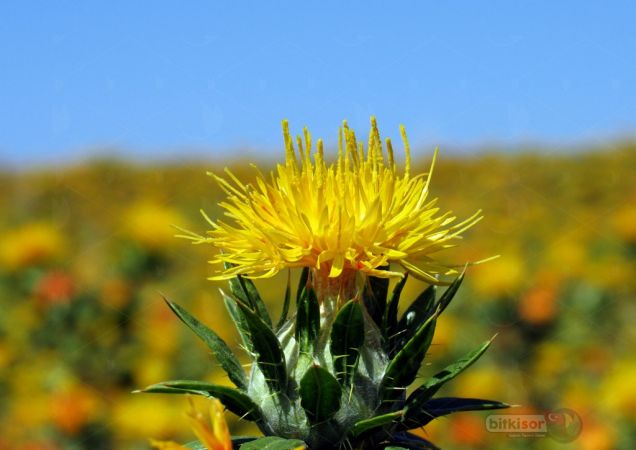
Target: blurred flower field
pixel 87 252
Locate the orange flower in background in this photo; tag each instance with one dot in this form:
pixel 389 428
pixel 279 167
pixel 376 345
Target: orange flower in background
pixel 116 293
pixel 358 214
pixel 73 407
pixel 56 287
pixel 597 436
pixel 539 305
pixel 36 446
pixel 468 430
pixel 213 433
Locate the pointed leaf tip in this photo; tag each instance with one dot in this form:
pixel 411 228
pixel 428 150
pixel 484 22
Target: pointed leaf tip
pixel 219 348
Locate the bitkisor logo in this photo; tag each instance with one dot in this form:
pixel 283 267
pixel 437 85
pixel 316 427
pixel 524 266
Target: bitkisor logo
pixel 562 425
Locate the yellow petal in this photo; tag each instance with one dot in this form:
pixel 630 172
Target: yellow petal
pixel 166 445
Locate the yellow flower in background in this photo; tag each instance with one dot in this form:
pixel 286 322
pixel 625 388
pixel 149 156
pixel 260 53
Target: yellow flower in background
pixel 499 278
pixel 159 417
pixel 357 214
pixel 618 391
pixel 150 224
pixel 213 433
pixel 31 244
pixel 624 221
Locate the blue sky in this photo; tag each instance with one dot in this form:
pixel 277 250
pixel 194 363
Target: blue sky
pixel 211 78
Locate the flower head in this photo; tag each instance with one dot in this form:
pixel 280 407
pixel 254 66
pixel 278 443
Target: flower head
pixel 357 214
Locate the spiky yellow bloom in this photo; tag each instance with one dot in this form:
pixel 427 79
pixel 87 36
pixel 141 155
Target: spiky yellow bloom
pixel 215 437
pixel 358 214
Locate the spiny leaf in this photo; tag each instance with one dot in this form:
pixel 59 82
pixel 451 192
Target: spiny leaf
pixel 244 290
pixel 307 320
pixel 390 319
pixel 403 368
pixel 423 307
pixel 442 406
pixel 302 282
pixel 222 352
pixel 422 394
pixel 374 297
pixel 363 426
pixel 450 292
pixel 411 442
pixel 274 443
pixel 235 401
pixel 285 310
pixel 415 315
pixel 239 321
pixel 347 336
pixel 320 394
pixel 269 355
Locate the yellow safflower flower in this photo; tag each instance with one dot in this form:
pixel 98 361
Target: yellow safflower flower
pixel 358 214
pixel 214 437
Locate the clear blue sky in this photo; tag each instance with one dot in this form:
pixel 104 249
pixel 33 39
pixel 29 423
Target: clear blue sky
pixel 157 78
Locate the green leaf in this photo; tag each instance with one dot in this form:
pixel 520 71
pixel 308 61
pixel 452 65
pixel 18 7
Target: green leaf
pixel 415 315
pixel 268 353
pixel 450 292
pixel 347 336
pixel 237 441
pixel 222 352
pixel 422 394
pixel 307 321
pixel 239 321
pixel 403 368
pixel 285 311
pixel 363 426
pixel 411 442
pixel 274 443
pixel 390 320
pixel 374 297
pixel 443 406
pixel 302 282
pixel 235 401
pixel 320 394
pixel 246 292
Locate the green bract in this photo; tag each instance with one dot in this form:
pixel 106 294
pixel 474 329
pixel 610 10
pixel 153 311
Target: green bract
pixel 332 381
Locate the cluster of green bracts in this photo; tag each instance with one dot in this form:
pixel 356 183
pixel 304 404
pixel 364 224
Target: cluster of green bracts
pixel 332 381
